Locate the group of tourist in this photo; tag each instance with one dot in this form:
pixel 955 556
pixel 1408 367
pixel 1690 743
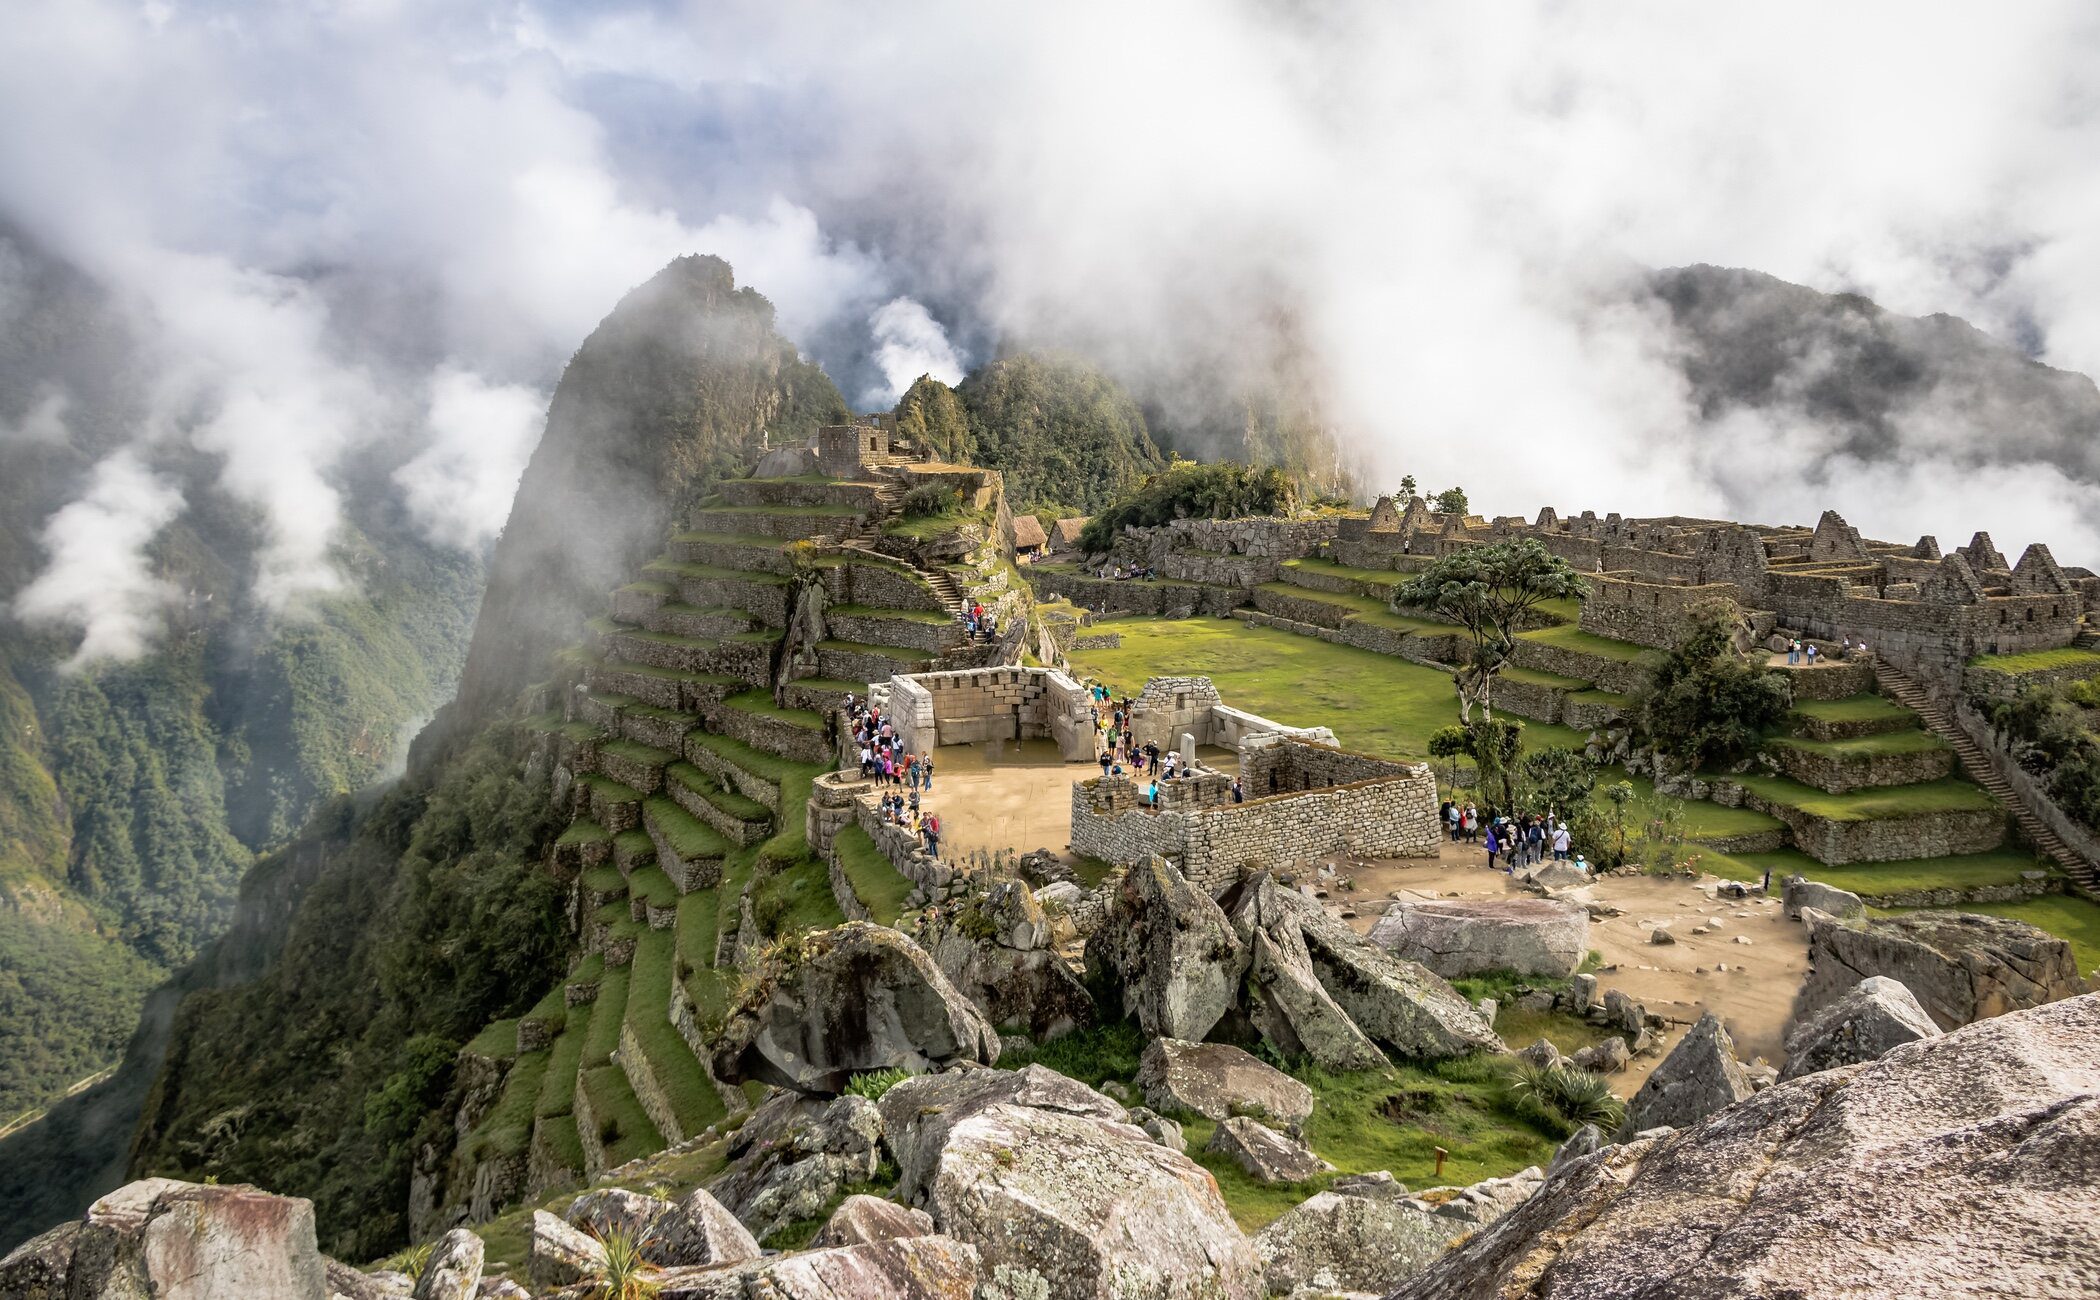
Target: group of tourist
pixel 1514 841
pixel 1799 651
pixel 883 760
pixel 979 625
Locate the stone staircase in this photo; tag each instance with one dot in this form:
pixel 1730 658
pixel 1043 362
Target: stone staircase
pixel 1903 689
pixel 939 582
pixel 2088 635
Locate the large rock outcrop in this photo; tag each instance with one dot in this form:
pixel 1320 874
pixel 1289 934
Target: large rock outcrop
pixel 696 1230
pixel 1168 946
pixel 175 1241
pixel 1697 1078
pixel 998 949
pixel 1961 966
pixel 793 1157
pixel 1399 1004
pixel 1336 1242
pixel 843 1001
pixel 1292 1012
pixel 1217 1081
pixel 1067 1205
pixel 1453 937
pixel 1960 1166
pixel 918 1113
pixel 1876 1015
pixel 903 1268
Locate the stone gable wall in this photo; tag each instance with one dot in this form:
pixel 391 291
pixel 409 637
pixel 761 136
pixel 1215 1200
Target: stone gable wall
pixel 1645 613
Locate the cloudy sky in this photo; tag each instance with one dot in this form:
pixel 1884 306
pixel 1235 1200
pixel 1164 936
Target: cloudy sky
pixel 336 221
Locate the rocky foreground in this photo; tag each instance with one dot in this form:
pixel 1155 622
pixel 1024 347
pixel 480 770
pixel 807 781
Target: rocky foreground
pixel 1956 1164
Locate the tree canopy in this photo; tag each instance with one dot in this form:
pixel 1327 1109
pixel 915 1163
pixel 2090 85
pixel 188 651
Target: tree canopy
pixel 1490 590
pixel 1706 705
pixel 1186 490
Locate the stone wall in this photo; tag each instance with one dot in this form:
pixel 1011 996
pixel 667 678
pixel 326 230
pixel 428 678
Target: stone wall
pixel 1887 839
pixel 795 492
pixel 1167 599
pixel 1277 763
pixel 1621 676
pixel 875 628
pixel 1991 681
pixel 1170 707
pixel 1216 846
pixel 882 586
pixel 1651 614
pixel 1220 570
pixel 1839 775
pixel 970 706
pixel 1301 609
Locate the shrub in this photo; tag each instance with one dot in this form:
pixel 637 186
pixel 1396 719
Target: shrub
pixel 1187 490
pixel 874 1083
pixel 1707 706
pixel 929 499
pixel 1565 1094
pixel 627 1276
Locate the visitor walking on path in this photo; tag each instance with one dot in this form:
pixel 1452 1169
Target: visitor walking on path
pixel 1493 846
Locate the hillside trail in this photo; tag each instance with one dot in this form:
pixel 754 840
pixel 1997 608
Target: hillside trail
pixel 1679 981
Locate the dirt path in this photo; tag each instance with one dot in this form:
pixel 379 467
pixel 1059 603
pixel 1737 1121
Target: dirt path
pixel 1678 981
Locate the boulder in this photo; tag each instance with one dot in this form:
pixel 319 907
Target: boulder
pixel 1543 1054
pixel 1379 1185
pixel 1660 936
pixel 856 998
pixel 177 1241
pixel 1293 1014
pixel 1961 967
pixel 561 1254
pixel 1069 1205
pixel 1336 1242
pixel 1266 1155
pixel 1160 1129
pixel 918 1113
pixel 1586 1140
pixel 1168 947
pixel 862 1219
pixel 913 1268
pixel 793 1157
pixel 347 1283
pixel 997 948
pixel 1958 1165
pixel 1481 1202
pixel 1876 1015
pixel 698 1230
pixel 1453 937
pixel 501 1288
pixel 1698 1077
pixel 453 1270
pixel 1557 875
pixel 1400 1004
pixel 1797 893
pixel 1607 1057
pixel 1217 1082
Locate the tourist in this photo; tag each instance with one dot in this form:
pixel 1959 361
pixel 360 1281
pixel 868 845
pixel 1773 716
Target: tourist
pixel 926 774
pixel 1560 842
pixel 1238 795
pixel 1471 822
pixel 1106 760
pixel 915 800
pixel 1810 654
pixel 1862 648
pixel 1535 842
pixel 1152 792
pixel 1493 846
pixel 1582 864
pixel 1451 816
pixel 1793 652
pixel 932 833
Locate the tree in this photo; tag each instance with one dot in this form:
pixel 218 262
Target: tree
pixel 1451 501
pixel 1450 742
pixel 1408 487
pixel 1557 779
pixel 1706 705
pixel 1620 793
pixel 1489 590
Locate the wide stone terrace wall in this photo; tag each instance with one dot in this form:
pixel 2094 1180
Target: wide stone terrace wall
pixel 973 705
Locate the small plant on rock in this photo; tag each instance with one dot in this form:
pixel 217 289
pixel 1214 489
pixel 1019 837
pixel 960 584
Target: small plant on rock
pixel 873 1083
pixel 628 1276
pixel 413 1261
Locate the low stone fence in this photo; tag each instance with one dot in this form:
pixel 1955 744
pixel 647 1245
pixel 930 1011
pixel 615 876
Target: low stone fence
pixel 1992 681
pixel 1168 599
pixel 1830 681
pixel 1860 771
pixel 1219 570
pixel 1385 817
pixel 1888 839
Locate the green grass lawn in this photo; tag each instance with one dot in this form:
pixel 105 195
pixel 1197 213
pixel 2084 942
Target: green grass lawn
pixel 499 1039
pixel 1570 637
pixel 825 512
pixel 1872 879
pixel 795 900
pixel 731 539
pixel 931 617
pixel 1857 708
pixel 877 884
pixel 757 762
pixel 1402 622
pixel 606 1013
pixel 623 1126
pixel 1549 681
pixel 1328 568
pixel 683 569
pixel 583 831
pixel 2035 661
pixel 1945 795
pixel 2064 915
pixel 634 751
pixel 924 528
pixel 1376 704
pixel 1345 600
pixel 609 789
pixel 689 836
pixel 507 1129
pixel 902 654
pixel 709 787
pixel 761 703
pixel 651 885
pixel 692 1098
pixel 1885 744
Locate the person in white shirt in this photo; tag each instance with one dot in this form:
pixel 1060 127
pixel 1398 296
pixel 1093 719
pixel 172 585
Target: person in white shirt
pixel 1560 842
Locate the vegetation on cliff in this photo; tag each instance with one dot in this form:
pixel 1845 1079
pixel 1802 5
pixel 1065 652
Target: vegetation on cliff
pixel 1186 490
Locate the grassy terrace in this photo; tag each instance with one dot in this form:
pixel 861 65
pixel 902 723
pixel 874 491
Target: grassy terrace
pixel 634 751
pixel 2035 661
pixel 902 654
pixel 1570 637
pixel 824 512
pixel 1378 704
pixel 1346 600
pixel 623 1126
pixel 699 923
pixel 682 569
pixel 796 899
pixel 499 1040
pixel 608 788
pixel 759 763
pixel 693 1099
pixel 651 885
pixel 877 884
pixel 1328 568
pixel 1857 708
pixel 669 674
pixel 689 836
pixel 928 616
pixel 507 1129
pixel 927 527
pixel 584 831
pixel 1550 681
pixel 730 539
pixel 709 787
pixel 1880 879
pixel 761 703
pixel 1885 744
pixel 1945 795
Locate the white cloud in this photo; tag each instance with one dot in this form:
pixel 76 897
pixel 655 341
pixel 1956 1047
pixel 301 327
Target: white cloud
pixel 480 435
pixel 43 424
pixel 98 580
pixel 909 343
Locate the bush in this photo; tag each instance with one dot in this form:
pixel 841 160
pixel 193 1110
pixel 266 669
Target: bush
pixel 1564 1094
pixel 1706 706
pixel 874 1083
pixel 1187 490
pixel 929 499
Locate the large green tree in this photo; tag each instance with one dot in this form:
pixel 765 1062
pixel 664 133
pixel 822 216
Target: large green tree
pixel 1490 590
pixel 1707 705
